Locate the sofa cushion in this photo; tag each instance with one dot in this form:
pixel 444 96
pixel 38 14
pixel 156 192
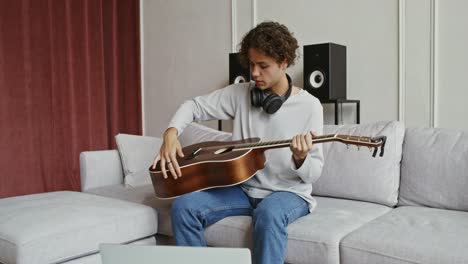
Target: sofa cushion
pixel 434 169
pixel 143 194
pixel 58 226
pixel 353 174
pixel 410 235
pixel 137 154
pixel 313 237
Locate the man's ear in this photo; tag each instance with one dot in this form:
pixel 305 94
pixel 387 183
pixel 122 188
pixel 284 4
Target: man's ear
pixel 284 64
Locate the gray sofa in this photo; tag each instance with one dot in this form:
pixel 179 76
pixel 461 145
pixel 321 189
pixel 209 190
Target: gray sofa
pixel 409 206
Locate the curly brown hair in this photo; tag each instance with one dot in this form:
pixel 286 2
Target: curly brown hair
pixel 272 39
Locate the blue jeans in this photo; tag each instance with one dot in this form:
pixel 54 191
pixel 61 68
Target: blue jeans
pixel 191 213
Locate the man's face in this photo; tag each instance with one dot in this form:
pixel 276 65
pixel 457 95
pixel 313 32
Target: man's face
pixel 266 72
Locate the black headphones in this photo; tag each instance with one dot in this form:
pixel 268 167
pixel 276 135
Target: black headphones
pixel 269 102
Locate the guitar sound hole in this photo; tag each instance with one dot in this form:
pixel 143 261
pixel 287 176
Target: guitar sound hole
pixel 221 151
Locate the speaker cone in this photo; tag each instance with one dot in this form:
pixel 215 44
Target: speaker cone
pixel 240 79
pixel 316 79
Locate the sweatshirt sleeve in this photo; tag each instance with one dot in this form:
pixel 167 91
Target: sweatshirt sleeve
pixel 311 168
pixel 219 104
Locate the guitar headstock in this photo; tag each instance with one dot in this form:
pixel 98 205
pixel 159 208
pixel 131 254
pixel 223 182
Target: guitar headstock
pixel 370 142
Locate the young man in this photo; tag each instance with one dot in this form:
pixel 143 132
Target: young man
pixel 273 110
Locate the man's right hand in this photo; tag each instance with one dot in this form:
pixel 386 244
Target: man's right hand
pixel 168 154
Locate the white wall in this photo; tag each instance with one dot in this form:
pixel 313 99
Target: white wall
pixel 406 58
pixel 417 38
pixel 436 63
pixel 451 63
pixel 185 47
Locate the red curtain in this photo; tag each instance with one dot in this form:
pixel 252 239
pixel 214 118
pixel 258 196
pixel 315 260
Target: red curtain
pixel 69 82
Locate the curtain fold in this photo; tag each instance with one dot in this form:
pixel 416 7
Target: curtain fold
pixel 69 82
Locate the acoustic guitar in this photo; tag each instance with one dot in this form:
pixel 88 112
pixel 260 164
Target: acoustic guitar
pixel 214 164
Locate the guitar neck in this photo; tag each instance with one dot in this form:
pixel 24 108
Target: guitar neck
pixel 370 142
pixel 281 143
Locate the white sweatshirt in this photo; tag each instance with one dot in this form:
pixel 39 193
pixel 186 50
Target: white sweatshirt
pixel 300 114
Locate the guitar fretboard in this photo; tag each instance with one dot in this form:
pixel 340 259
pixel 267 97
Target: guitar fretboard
pixel 278 143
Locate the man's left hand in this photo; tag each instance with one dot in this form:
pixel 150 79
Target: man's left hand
pixel 300 147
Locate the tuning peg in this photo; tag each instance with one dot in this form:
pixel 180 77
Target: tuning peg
pixel 375 152
pixel 358 147
pixel 347 146
pixel 382 148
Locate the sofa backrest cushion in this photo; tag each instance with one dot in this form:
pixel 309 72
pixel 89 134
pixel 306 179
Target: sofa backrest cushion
pixel 434 169
pixel 138 152
pixel 351 174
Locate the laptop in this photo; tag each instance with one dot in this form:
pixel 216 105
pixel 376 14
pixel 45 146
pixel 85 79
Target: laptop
pixel 152 254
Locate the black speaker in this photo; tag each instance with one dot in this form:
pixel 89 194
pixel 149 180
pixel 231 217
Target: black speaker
pixel 237 73
pixel 325 71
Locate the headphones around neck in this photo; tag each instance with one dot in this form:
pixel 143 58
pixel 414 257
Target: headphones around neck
pixel 269 102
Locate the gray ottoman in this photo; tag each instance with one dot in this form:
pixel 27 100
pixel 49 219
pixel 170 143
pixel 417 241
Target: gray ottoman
pixel 66 226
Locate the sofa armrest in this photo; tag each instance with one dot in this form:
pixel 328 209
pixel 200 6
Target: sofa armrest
pixel 100 168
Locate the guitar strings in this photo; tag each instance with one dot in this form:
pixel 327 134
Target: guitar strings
pixel 279 142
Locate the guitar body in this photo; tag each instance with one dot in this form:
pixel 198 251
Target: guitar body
pixel 213 166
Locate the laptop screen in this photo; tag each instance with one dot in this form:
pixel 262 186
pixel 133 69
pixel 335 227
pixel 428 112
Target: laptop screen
pixel 150 254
